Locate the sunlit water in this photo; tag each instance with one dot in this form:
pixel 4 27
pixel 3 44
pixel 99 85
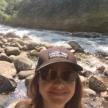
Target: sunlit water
pixel 90 44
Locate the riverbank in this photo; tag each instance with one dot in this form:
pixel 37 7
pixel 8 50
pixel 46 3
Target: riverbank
pixel 19 55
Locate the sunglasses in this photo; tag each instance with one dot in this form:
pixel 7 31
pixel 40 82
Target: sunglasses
pixel 51 75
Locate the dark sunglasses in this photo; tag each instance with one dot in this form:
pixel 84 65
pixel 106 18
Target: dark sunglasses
pixel 51 75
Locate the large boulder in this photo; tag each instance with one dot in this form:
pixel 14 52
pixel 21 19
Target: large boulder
pixel 23 63
pixel 12 50
pixel 7 69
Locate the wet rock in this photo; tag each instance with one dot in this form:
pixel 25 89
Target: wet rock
pixel 11 35
pixel 101 54
pixel 5 85
pixel 76 46
pixel 23 63
pixel 87 34
pixel 12 50
pixel 7 69
pixel 24 74
pixel 96 84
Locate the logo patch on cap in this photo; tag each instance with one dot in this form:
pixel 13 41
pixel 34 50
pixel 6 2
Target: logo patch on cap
pixel 54 54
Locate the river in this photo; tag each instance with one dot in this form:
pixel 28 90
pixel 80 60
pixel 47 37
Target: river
pixel 91 42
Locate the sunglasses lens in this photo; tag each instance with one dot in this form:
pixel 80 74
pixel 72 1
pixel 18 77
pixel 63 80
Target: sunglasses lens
pixel 50 75
pixel 68 76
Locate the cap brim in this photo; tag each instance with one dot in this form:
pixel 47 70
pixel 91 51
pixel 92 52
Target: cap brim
pixel 75 67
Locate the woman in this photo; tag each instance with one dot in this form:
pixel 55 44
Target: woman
pixel 56 83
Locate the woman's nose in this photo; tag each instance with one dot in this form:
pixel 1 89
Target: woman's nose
pixel 59 84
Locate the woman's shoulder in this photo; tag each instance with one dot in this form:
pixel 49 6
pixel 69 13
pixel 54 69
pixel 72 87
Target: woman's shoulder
pixel 24 103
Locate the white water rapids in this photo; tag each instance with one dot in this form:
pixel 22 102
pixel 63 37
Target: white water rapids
pixel 89 43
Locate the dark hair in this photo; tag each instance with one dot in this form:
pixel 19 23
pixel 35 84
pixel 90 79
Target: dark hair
pixel 37 101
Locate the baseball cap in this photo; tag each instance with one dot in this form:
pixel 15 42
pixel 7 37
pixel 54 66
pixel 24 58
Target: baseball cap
pixel 56 55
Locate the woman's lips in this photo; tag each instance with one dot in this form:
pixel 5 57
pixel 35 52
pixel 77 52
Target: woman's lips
pixel 58 93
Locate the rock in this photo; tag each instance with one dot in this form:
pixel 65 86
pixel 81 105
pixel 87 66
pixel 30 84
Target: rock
pixel 26 38
pixel 86 73
pixel 11 35
pixel 101 54
pixel 1 43
pixel 106 73
pixel 106 58
pixel 88 92
pixel 101 69
pixel 12 57
pixel 7 69
pixel 1 50
pixel 4 40
pixel 22 63
pixel 5 85
pixel 76 46
pixel 33 53
pixel 24 74
pixel 12 50
pixel 31 45
pixel 4 57
pixel 96 84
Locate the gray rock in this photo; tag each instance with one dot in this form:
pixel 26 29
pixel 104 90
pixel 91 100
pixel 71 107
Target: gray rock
pixel 96 84
pixel 5 85
pixel 22 63
pixel 76 46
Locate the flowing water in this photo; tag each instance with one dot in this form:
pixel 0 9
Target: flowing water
pixel 91 44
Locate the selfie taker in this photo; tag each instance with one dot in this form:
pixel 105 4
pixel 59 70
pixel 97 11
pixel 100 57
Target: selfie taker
pixel 56 83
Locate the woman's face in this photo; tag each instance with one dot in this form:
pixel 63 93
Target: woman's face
pixel 57 84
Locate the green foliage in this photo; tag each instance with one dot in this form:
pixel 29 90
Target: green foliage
pixel 3 5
